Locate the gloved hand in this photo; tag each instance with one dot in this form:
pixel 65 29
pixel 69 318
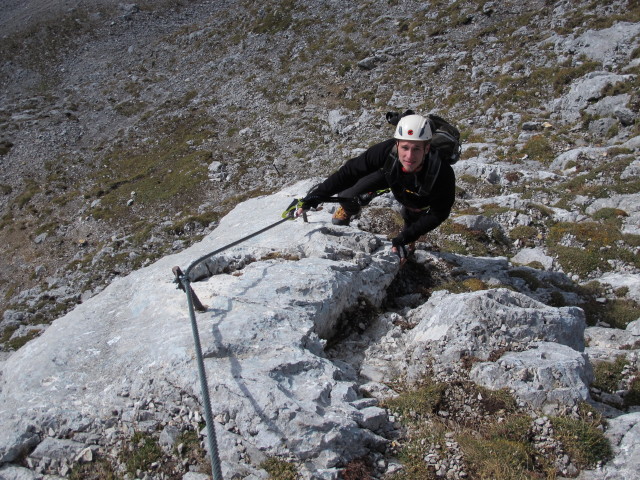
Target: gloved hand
pixel 310 201
pixel 400 249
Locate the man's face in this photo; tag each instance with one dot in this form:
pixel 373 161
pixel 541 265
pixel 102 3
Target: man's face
pixel 411 154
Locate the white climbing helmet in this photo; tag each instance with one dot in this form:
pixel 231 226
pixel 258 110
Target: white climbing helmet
pixel 413 127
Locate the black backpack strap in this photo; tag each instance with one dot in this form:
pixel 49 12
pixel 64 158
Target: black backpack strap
pixel 433 169
pixel 392 158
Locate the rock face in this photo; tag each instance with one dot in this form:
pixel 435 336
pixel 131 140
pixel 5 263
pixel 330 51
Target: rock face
pixel 263 337
pixel 127 132
pixel 123 361
pixel 478 323
pixel 521 344
pixel 530 373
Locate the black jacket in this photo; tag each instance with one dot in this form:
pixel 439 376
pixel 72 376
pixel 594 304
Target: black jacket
pixel 435 207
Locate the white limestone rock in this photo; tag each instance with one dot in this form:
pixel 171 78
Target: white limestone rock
pixel 549 377
pixel 478 222
pixel 578 156
pixel 478 323
pixel 584 92
pixel 530 255
pixel 609 45
pixel 262 338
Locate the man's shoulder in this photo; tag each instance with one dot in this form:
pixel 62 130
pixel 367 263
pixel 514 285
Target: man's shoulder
pixel 382 148
pixel 387 144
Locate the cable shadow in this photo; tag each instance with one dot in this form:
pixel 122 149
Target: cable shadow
pixel 222 350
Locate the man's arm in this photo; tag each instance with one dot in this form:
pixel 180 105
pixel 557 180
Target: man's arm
pixel 353 170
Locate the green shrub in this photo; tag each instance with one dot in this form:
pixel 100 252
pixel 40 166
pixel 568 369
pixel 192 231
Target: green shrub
pixel 557 299
pixel 529 277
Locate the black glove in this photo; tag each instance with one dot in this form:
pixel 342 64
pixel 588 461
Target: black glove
pixel 401 248
pixel 365 198
pixel 311 201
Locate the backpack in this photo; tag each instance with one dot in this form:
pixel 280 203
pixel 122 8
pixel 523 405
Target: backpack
pixel 445 139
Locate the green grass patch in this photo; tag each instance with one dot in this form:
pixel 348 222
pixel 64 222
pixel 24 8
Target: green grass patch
pixel 279 469
pixel 30 190
pixel 613 216
pixel 276 18
pixel 608 375
pixel 499 443
pixel 463 240
pixel 18 342
pixel 617 313
pixel 129 108
pixel 601 181
pixel 167 174
pixel 188 223
pixel 541 82
pixel 415 449
pixel 419 402
pixel 591 245
pixel 7 333
pixel 40 45
pixel 491 209
pixel 470 152
pixel 463 286
pixel 503 451
pixel 583 440
pixel 539 148
pixel 191 449
pixel 99 469
pixel 140 453
pixel 526 234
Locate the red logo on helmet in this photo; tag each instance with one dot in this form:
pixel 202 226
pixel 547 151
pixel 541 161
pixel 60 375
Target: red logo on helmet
pixel 410 132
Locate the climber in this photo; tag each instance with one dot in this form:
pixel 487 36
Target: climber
pixel 408 166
